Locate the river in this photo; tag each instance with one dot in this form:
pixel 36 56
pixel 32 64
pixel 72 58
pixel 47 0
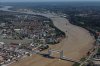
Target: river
pixel 75 46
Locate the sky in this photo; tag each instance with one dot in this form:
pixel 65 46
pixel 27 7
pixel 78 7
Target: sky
pixel 41 0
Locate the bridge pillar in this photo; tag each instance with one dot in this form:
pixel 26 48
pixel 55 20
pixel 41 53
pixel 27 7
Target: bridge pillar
pixel 61 54
pixel 49 52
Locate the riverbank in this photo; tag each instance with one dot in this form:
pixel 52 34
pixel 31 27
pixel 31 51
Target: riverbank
pixel 75 45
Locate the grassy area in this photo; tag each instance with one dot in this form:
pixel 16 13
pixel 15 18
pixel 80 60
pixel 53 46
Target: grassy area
pixel 99 51
pixel 76 64
pixel 83 59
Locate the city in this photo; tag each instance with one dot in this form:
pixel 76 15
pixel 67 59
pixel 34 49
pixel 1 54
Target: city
pixel 50 34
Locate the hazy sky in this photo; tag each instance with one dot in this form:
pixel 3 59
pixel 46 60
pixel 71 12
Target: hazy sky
pixel 41 0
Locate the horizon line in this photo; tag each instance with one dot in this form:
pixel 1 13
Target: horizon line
pixel 46 1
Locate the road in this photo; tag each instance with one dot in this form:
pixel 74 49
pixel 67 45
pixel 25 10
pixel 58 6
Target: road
pixel 90 57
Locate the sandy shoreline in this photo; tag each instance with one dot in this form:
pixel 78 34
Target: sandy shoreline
pixel 75 46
